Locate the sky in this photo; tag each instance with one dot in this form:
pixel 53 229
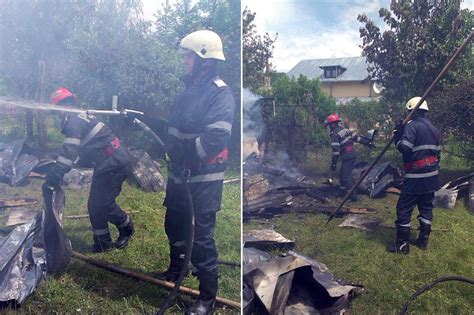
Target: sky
pixel 307 29
pixel 311 29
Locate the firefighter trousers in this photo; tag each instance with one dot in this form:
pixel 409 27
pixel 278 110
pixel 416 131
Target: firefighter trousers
pixel 345 174
pixel 204 254
pixel 101 205
pixel 407 203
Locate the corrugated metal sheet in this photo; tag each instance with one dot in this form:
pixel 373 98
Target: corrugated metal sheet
pixel 356 69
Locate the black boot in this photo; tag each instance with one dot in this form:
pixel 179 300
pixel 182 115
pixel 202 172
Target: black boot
pixel 402 242
pixel 126 230
pixel 207 294
pixel 102 243
pixel 176 265
pixel 422 241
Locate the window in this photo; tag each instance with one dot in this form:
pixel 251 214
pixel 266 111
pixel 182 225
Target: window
pixel 332 71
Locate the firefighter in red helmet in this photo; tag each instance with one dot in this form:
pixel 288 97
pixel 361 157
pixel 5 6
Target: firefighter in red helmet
pixel 342 143
pixel 95 144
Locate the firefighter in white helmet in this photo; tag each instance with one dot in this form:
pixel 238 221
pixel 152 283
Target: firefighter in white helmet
pixel 199 128
pixel 420 144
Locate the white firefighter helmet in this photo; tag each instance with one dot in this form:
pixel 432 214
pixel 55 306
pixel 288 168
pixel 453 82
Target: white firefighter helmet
pixel 413 101
pixel 206 44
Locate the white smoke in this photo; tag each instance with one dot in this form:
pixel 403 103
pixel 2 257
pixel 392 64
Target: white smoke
pixel 253 124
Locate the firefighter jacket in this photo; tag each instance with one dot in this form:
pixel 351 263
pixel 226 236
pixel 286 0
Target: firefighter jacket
pixel 91 140
pixel 420 146
pixel 342 141
pixel 199 128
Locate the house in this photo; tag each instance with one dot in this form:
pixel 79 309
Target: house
pixel 341 78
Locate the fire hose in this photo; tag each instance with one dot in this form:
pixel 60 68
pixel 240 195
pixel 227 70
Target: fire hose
pixel 408 118
pixel 184 176
pixel 430 286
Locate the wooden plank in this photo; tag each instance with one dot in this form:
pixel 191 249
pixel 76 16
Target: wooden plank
pixel 471 195
pixel 17 202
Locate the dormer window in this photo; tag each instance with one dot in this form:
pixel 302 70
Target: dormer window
pixel 331 72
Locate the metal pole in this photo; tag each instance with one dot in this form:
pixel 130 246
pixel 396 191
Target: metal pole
pixel 408 118
pixel 136 275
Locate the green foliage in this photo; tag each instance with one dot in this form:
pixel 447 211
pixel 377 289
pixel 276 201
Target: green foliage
pixel 257 52
pixel 301 108
pixel 452 110
pixel 104 48
pixel 368 115
pixel 420 38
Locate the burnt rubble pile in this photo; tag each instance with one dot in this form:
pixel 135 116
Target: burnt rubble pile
pixel 289 283
pixel 16 162
pixel 378 180
pixel 146 172
pixel 269 191
pixel 34 249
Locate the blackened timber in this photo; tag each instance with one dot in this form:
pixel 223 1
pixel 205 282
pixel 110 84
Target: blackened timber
pixel 272 200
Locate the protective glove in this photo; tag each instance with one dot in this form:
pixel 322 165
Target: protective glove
pixel 398 131
pixel 370 145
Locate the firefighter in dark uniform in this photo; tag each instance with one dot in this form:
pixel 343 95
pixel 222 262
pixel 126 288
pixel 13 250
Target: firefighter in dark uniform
pixel 420 144
pixel 199 129
pixel 95 144
pixel 342 143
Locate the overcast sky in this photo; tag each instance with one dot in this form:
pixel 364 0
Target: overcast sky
pixel 307 29
pixel 310 29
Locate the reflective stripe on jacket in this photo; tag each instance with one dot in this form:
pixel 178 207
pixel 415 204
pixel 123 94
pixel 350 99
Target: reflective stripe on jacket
pixel 420 140
pixel 201 122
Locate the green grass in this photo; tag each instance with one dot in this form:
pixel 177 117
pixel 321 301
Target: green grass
pixel 85 289
pixel 390 279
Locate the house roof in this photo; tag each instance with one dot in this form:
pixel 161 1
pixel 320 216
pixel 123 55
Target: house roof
pixel 356 69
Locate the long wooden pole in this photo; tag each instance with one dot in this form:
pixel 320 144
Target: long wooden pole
pixel 408 118
pixel 133 274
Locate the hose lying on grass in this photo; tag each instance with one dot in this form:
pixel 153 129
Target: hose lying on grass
pixel 140 276
pixel 431 285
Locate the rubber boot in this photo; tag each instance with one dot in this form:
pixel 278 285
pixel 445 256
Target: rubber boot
pixel 401 245
pixel 126 230
pixel 207 294
pixel 176 264
pixel 422 241
pixel 102 243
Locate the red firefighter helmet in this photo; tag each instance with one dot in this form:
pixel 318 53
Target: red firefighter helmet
pixel 61 94
pixel 332 119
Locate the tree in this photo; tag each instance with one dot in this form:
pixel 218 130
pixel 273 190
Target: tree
pixel 452 110
pixel 300 110
pixel 103 48
pixel 257 52
pixel 421 36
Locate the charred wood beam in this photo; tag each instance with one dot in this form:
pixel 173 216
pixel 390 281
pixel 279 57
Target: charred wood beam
pixel 269 200
pixel 343 211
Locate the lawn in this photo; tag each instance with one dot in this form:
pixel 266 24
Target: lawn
pixel 390 279
pixel 85 289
